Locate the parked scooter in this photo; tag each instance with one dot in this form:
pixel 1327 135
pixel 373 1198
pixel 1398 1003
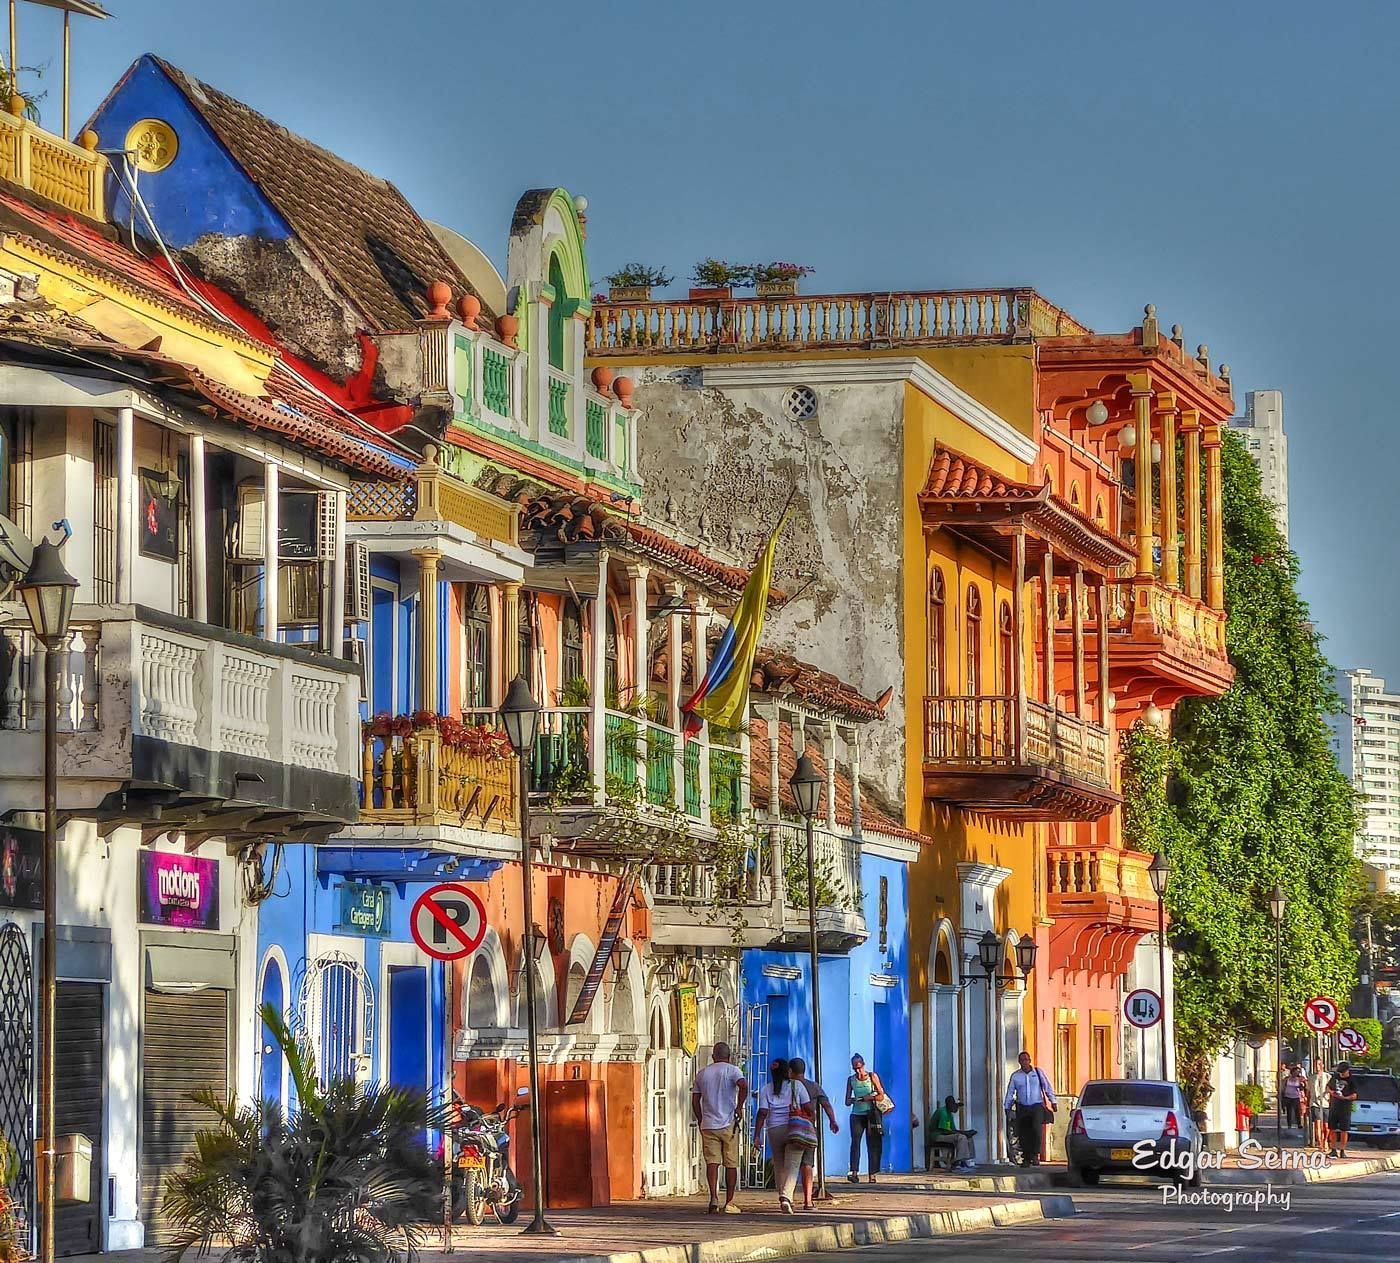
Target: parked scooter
pixel 481 1174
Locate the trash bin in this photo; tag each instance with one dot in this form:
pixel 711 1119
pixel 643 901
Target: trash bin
pixel 73 1170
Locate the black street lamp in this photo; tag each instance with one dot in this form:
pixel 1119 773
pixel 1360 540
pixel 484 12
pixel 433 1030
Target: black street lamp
pixel 47 590
pixel 1160 871
pixel 806 784
pixel 520 716
pixel 989 956
pixel 1278 901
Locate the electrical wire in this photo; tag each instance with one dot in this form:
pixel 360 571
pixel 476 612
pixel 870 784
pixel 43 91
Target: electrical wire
pixel 128 179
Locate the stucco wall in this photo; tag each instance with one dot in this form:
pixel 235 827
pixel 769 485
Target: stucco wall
pixel 735 456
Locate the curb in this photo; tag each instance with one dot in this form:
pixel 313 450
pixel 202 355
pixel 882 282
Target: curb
pixel 992 1183
pixel 1352 1169
pixel 848 1234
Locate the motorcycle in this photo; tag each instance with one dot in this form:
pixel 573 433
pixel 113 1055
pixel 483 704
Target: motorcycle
pixel 481 1174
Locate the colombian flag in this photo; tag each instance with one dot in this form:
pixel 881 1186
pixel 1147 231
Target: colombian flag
pixel 723 695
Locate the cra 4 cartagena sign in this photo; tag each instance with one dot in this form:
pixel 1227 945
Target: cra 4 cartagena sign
pixel 179 890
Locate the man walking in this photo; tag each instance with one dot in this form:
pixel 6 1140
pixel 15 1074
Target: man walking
pixel 1342 1094
pixel 717 1100
pixel 1035 1105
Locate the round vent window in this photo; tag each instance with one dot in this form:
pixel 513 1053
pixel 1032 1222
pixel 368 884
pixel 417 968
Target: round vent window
pixel 152 144
pixel 801 403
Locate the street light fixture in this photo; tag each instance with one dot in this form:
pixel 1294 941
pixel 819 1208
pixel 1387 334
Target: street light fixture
pixel 520 716
pixel 1278 902
pixel 1025 954
pixel 806 784
pixel 47 590
pixel 1160 872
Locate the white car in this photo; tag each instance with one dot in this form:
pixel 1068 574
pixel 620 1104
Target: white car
pixel 1136 1126
pixel 1376 1115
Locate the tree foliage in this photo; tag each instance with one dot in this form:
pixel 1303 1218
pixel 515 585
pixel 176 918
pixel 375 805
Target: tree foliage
pixel 1246 794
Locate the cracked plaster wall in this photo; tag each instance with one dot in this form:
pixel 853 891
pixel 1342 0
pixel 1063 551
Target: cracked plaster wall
pixel 734 455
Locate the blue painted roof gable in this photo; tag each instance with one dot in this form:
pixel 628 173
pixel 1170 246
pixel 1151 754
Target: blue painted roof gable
pixel 204 191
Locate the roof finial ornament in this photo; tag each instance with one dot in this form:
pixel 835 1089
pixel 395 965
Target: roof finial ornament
pixel 1177 336
pixel 704 526
pixel 731 536
pixel 439 295
pixel 1150 331
pixel 1224 372
pixel 1203 356
pixel 670 509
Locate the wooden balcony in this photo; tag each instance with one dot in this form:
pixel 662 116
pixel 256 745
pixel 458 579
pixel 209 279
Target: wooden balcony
pixel 1102 903
pixel 923 318
pixel 1024 761
pixel 415 781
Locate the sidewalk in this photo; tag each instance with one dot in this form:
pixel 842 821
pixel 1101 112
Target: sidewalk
pixel 677 1229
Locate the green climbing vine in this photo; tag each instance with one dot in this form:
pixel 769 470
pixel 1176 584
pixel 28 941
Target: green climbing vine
pixel 1246 794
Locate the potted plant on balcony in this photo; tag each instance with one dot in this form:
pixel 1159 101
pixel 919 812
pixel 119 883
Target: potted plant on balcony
pixel 778 280
pixel 634 283
pixel 713 280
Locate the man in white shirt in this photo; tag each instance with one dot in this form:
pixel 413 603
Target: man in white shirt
pixel 1029 1091
pixel 717 1100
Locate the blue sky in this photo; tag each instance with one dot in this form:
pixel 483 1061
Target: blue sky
pixel 1233 163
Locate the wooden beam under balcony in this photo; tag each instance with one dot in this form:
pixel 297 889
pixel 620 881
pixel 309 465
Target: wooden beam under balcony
pixel 977 758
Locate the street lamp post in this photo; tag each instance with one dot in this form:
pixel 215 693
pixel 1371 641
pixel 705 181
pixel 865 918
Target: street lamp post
pixel 806 783
pixel 520 715
pixel 989 957
pixel 48 590
pixel 1278 901
pixel 1160 871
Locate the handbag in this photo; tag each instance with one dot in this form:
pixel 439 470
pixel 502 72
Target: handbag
pixel 883 1103
pixel 801 1129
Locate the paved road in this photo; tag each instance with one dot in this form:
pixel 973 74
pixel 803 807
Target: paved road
pixel 1352 1221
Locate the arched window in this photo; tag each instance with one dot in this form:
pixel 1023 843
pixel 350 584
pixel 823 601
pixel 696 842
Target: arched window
pixel 973 632
pixel 937 635
pixel 611 652
pixel 1006 648
pixel 477 621
pixel 481 995
pixel 1075 499
pixel 558 322
pixel 1100 516
pixel 572 665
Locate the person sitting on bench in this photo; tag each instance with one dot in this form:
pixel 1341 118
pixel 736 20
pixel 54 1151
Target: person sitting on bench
pixel 944 1133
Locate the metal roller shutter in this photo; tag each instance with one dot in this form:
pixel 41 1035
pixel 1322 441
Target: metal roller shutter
pixel 184 1049
pixel 78 1105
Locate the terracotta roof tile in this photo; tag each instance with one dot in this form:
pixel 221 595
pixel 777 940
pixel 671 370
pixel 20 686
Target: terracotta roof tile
pixel 781 673
pixel 951 475
pixel 360 228
pixel 874 818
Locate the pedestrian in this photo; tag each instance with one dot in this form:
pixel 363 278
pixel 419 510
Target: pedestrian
pixel 717 1101
pixel 779 1100
pixel 863 1091
pixel 1341 1092
pixel 1317 1105
pixel 943 1126
pixel 797 1068
pixel 1295 1088
pixel 1035 1103
pixel 1244 1116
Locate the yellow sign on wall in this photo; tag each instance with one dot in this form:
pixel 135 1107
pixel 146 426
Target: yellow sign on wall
pixel 688 1019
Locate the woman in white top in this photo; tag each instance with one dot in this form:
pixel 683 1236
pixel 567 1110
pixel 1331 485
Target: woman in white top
pixel 776 1103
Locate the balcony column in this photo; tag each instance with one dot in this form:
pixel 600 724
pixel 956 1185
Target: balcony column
pixel 853 736
pixel 1215 541
pixel 641 661
pixel 271 582
pixel 774 723
pixel 1018 620
pixel 700 636
pixel 829 758
pixel 1077 622
pixel 1166 419
pixel 1047 592
pixel 126 504
pixel 335 619
pixel 428 559
pixel 675 655
pixel 1105 600
pixel 1191 433
pixel 598 701
pixel 510 635
pixel 1142 470
pixel 199 545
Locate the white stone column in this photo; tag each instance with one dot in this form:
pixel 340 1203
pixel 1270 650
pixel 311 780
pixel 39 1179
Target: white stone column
pixel 271 506
pixel 199 546
pixel 854 734
pixel 675 655
pixel 641 661
pixel 829 758
pixel 335 622
pixel 598 689
pixel 126 505
pixel 774 720
pixel 701 632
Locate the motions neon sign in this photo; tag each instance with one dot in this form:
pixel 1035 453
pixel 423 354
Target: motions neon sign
pixel 179 890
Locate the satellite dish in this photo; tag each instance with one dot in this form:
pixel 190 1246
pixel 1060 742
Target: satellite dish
pixel 16 552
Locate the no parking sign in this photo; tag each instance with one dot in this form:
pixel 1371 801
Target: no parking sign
pixel 448 921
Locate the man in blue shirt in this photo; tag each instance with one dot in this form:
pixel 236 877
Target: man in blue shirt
pixel 1029 1091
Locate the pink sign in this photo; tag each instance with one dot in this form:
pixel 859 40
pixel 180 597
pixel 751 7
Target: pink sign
pixel 179 890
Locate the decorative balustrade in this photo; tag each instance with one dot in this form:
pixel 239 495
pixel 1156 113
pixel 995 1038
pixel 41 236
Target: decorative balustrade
pixel 836 865
pixel 1097 880
pixel 596 428
pixel 430 494
pixel 416 779
pixel 826 320
pixel 71 175
pixel 560 404
pixel 134 673
pixel 497 393
pixel 1176 617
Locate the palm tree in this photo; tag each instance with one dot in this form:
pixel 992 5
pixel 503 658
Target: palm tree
pixel 344 1177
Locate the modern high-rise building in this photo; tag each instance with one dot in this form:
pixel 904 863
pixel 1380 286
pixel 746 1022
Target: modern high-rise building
pixel 1366 741
pixel 1261 427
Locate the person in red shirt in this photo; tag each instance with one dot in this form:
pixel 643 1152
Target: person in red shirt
pixel 1244 1120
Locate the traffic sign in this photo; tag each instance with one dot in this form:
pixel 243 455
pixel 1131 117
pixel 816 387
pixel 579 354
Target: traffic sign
pixel 1351 1040
pixel 448 921
pixel 1142 1008
pixel 1321 1013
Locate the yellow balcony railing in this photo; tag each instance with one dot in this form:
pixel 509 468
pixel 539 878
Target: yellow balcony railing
pixel 416 779
pixel 48 165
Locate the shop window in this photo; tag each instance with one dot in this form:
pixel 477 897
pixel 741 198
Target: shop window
pixel 477 621
pixel 1098 1053
pixel 937 634
pixel 1066 1081
pixel 572 664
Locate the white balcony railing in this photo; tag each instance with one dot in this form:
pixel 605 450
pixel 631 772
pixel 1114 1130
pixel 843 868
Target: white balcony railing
pixel 128 672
